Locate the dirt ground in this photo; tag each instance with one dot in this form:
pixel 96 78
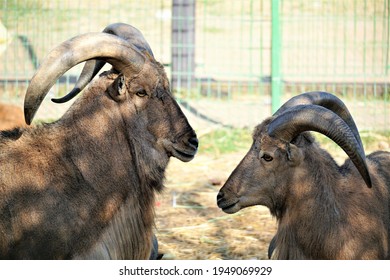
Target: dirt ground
pixel 189 224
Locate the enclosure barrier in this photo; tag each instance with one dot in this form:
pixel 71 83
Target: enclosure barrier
pixel 229 62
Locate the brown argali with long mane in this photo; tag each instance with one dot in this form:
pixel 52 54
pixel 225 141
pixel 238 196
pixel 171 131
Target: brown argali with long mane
pixel 323 210
pixel 84 186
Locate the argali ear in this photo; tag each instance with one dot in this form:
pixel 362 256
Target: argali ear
pixel 117 90
pixel 303 139
pixel 294 155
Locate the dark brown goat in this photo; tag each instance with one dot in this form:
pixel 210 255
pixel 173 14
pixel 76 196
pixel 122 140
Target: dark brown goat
pixel 11 116
pixel 65 187
pixel 324 211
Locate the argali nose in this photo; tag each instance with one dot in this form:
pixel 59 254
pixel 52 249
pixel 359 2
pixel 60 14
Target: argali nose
pixel 219 197
pixel 194 142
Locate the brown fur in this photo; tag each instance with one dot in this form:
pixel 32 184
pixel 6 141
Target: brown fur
pixel 84 186
pixel 324 211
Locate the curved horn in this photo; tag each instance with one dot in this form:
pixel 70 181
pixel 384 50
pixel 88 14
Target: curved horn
pixel 91 68
pixel 125 31
pixel 295 120
pixel 328 101
pixel 131 34
pixel 112 49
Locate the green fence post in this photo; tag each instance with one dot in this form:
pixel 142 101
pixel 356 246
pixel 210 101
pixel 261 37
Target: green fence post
pixel 276 86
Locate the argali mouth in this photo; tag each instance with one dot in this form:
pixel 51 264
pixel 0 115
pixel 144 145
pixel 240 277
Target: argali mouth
pixel 180 151
pixel 184 155
pixel 228 207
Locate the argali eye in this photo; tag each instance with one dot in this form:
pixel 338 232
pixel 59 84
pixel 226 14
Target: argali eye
pixel 267 157
pixel 141 93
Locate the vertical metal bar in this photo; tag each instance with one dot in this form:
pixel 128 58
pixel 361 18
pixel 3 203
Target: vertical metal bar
pixel 333 48
pixel 345 40
pixel 365 48
pixel 386 89
pixel 355 46
pixel 261 47
pixel 251 48
pixel 242 38
pixel 387 62
pixel 183 43
pixel 346 46
pixel 374 44
pixel 365 39
pixel 6 14
pixel 275 57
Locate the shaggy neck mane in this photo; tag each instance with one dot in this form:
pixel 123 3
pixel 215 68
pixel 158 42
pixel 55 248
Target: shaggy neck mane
pixel 134 172
pixel 81 205
pixel 311 204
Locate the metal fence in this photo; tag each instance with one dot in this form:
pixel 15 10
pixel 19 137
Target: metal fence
pixel 229 61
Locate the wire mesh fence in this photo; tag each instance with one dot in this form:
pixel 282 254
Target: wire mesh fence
pixel 218 53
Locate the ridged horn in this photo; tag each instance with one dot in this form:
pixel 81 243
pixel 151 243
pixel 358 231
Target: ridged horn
pixel 290 123
pixel 328 101
pixel 131 34
pixel 125 31
pixel 112 49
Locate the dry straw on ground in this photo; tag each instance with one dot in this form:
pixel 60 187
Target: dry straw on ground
pixel 191 226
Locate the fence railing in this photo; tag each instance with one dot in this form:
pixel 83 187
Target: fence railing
pixel 232 61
